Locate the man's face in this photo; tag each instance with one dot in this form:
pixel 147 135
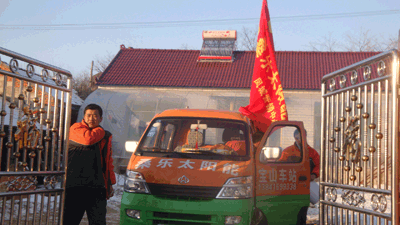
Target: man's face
pixel 92 118
pixel 297 138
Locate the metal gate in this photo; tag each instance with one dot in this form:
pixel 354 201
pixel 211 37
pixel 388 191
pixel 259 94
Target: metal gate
pixel 35 116
pixel 359 155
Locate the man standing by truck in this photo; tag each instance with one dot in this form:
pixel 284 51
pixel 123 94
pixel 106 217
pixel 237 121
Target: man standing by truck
pixel 90 171
pixel 292 154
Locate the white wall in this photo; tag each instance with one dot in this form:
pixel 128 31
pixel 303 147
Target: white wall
pixel 142 103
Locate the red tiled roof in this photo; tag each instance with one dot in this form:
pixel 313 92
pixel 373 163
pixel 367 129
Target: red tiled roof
pixel 179 68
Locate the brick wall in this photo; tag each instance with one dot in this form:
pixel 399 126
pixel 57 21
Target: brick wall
pixel 305 106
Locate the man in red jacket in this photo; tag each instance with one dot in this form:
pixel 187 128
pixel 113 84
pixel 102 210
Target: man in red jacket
pixel 292 154
pixel 90 170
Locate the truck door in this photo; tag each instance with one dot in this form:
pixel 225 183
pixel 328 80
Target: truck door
pixel 282 173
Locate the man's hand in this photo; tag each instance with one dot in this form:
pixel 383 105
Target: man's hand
pixel 111 191
pixel 313 177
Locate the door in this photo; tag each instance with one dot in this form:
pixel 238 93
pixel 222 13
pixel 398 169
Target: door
pixel 359 143
pixel 282 173
pixel 35 115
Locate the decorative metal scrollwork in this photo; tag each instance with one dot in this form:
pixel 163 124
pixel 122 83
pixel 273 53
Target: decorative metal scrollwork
pixel 352 145
pixel 332 84
pixel 378 203
pixel 367 73
pixel 57 79
pixel 30 70
pixel 353 198
pixel 23 183
pixel 14 65
pixel 382 203
pixel 50 182
pixel 342 81
pixel 27 134
pixel 381 68
pixel 45 75
pixel 331 194
pixel 353 77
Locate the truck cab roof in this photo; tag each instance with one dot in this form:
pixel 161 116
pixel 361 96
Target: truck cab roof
pixel 205 113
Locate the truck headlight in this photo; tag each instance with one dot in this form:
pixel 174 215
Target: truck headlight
pixel 135 182
pixel 237 188
pixel 232 219
pixel 133 213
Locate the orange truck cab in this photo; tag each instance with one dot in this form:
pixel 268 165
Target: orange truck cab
pixel 203 167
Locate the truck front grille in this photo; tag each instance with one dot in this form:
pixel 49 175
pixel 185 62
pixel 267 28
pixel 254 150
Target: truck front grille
pixel 183 191
pixel 158 222
pixel 178 219
pixel 179 216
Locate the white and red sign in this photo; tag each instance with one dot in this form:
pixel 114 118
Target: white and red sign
pixel 219 34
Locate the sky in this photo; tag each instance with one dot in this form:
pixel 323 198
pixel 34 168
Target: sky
pixel 71 33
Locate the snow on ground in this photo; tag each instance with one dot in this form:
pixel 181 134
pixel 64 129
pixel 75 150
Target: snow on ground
pixel 313 214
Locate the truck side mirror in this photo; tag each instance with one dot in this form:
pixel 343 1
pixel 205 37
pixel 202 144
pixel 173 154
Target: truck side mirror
pixel 130 146
pixel 271 153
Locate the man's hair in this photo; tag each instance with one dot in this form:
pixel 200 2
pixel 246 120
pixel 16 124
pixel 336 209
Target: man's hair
pixel 257 136
pixel 297 131
pixel 94 107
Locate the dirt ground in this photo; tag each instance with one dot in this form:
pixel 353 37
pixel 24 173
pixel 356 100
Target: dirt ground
pixel 113 205
pixel 112 217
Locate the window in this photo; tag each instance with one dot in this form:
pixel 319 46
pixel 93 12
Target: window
pixel 283 145
pixel 196 136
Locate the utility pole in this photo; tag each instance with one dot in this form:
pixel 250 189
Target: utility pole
pixel 91 77
pixel 398 42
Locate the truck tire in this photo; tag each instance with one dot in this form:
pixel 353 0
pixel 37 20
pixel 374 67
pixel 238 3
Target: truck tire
pixel 258 218
pixel 302 216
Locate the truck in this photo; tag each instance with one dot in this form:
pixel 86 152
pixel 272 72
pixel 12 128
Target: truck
pixel 184 170
pixel 196 166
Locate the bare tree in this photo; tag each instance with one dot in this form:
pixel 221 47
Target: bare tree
pixel 101 63
pixel 248 39
pixel 327 43
pixel 185 46
pixel 362 41
pixel 81 84
pixel 391 43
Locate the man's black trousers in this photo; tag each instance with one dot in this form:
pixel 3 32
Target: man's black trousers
pixel 81 199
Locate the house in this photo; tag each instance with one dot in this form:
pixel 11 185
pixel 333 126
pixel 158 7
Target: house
pixel 139 83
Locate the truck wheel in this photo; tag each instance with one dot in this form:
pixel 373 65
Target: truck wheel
pixel 258 218
pixel 302 216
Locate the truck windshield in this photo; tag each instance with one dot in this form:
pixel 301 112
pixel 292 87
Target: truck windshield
pixel 196 136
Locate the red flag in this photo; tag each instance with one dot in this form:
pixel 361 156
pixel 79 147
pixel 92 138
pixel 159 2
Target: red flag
pixel 267 103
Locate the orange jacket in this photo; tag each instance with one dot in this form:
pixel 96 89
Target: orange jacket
pixel 82 134
pixel 238 146
pixel 294 151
